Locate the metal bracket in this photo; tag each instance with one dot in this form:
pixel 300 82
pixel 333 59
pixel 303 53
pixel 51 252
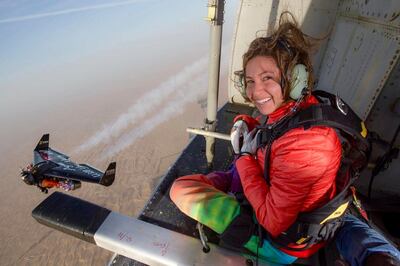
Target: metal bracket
pixel 203 238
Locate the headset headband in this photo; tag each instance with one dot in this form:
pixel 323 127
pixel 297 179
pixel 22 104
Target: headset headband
pixel 281 42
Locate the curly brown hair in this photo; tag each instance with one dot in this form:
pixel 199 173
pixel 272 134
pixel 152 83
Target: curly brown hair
pixel 289 46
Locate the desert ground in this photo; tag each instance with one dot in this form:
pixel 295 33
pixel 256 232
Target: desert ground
pixel 139 168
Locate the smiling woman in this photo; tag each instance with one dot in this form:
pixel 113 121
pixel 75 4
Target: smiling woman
pixel 263 79
pixel 293 186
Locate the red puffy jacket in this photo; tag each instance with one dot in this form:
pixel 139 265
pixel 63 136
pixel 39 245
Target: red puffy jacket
pixel 303 167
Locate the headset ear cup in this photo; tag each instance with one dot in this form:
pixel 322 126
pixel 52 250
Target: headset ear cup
pixel 298 81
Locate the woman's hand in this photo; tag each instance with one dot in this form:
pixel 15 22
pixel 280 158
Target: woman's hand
pixel 238 132
pixel 250 142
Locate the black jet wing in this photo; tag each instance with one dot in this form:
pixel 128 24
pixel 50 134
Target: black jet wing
pixel 64 168
pixel 43 152
pixel 82 172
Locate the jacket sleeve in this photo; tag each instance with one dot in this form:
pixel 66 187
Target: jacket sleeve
pixel 303 165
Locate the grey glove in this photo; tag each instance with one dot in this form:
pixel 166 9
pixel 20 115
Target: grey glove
pixel 250 142
pixel 238 131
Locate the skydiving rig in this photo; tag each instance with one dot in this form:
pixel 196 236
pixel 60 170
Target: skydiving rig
pixel 358 61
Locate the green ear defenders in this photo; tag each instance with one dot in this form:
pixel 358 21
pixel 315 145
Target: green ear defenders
pixel 298 81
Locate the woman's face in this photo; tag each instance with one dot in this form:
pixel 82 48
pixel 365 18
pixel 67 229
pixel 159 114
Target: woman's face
pixel 263 79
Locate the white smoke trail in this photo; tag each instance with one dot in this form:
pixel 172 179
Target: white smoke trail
pixel 69 11
pixel 145 104
pixel 195 88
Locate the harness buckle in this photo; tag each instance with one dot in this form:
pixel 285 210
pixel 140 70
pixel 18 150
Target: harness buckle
pixel 341 106
pixel 358 205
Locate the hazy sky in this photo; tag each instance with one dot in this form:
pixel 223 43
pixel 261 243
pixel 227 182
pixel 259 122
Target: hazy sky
pixel 40 35
pixel 54 54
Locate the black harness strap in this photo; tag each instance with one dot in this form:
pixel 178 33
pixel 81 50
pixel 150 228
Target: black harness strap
pixel 316 115
pixel 315 226
pixel 312 227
